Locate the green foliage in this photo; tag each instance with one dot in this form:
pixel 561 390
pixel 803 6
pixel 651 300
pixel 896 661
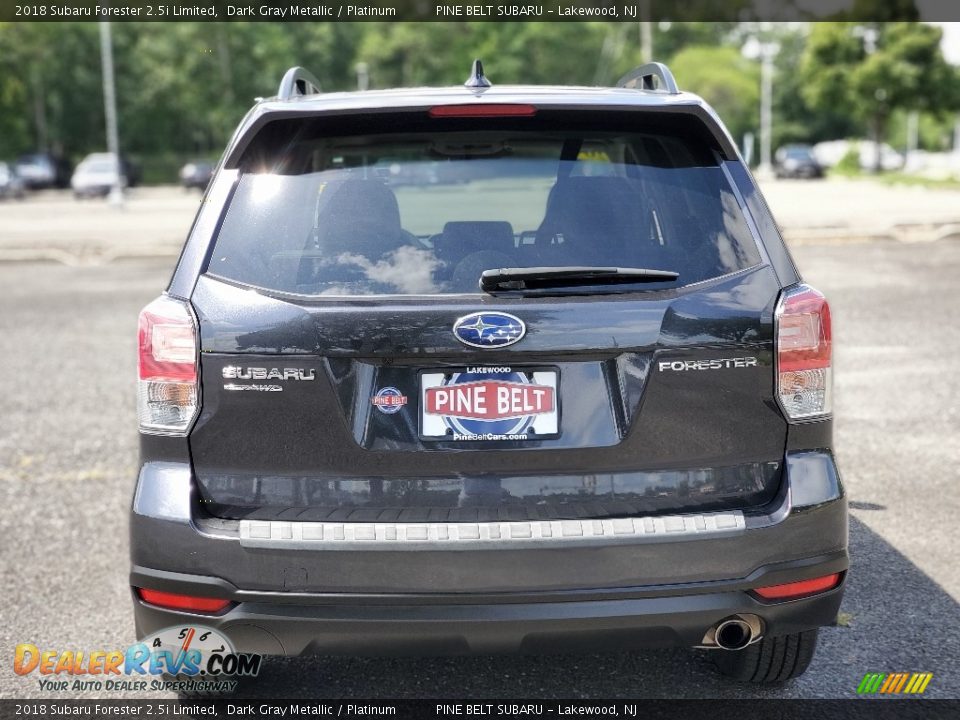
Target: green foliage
pixel 49 88
pixel 671 38
pixel 875 70
pixel 408 54
pixel 183 87
pixel 849 164
pixel 725 79
pixel 935 131
pixel 794 119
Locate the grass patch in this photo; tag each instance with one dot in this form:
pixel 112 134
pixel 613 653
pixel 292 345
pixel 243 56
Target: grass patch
pixel 897 178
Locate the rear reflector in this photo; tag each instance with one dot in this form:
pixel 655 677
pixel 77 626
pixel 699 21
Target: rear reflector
pixel 471 111
pixel 173 601
pixel 803 588
pixel 167 390
pixel 804 343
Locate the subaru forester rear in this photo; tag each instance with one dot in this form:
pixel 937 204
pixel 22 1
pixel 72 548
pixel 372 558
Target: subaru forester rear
pixel 485 369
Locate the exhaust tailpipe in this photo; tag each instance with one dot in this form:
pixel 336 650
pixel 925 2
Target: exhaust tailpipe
pixel 733 634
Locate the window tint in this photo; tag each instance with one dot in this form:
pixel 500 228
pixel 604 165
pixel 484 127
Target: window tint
pixel 427 213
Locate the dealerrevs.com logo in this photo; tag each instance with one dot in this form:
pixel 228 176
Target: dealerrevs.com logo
pixel 180 658
pixel 897 683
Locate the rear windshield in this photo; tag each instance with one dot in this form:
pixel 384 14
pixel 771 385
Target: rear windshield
pixel 426 212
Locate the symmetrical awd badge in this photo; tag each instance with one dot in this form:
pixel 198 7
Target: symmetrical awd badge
pixel 489 329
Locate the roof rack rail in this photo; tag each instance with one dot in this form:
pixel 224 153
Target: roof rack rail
pixel 642 78
pixel 297 81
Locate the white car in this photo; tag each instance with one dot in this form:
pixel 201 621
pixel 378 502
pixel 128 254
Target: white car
pixel 97 174
pixel 11 185
pixel 831 152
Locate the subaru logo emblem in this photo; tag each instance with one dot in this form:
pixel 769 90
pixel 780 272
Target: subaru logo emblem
pixel 489 329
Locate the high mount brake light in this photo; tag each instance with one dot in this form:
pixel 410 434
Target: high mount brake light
pixel 168 386
pixel 804 343
pixel 473 111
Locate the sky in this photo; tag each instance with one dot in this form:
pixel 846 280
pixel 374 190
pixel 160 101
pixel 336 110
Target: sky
pixel 951 41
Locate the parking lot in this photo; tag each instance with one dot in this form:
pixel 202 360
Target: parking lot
pixel 68 459
pixel 152 222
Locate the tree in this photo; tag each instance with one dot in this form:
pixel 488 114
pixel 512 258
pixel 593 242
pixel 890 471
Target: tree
pixel 794 121
pixel 876 69
pixel 411 54
pixel 669 38
pixel 49 86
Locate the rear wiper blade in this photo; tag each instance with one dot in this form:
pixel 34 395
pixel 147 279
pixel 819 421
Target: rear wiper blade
pixel 536 278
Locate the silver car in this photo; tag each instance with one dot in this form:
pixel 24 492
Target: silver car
pixel 96 175
pixel 11 184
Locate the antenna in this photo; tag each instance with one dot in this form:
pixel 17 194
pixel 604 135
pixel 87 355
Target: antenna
pixel 477 82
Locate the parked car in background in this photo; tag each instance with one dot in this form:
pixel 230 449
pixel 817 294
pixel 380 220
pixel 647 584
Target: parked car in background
pixel 831 152
pixel 11 184
pixel 196 174
pixel 396 172
pixel 933 165
pixel 97 173
pixel 796 161
pixel 43 170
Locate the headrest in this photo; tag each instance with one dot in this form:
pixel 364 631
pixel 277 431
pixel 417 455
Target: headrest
pixel 360 216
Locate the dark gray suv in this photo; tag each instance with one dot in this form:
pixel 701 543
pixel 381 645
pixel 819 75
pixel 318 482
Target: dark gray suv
pixel 485 369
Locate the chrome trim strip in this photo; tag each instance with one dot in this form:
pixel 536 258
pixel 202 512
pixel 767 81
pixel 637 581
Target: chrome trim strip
pixel 486 535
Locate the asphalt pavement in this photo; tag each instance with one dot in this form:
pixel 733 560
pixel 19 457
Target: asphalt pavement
pixel 68 460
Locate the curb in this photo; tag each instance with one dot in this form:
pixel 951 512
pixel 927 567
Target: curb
pixel 87 255
pixel 900 232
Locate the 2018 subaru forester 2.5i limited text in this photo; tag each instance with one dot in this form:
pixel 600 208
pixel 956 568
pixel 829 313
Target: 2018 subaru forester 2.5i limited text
pixel 486 369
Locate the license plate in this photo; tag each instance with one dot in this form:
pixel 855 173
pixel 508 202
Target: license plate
pixel 489 404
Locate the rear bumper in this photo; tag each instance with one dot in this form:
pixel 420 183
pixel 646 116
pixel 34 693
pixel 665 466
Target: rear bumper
pixel 271 625
pixel 297 588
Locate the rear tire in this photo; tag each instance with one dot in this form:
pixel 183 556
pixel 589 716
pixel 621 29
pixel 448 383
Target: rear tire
pixel 772 660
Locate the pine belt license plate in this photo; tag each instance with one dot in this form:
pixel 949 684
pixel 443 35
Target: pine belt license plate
pixel 489 404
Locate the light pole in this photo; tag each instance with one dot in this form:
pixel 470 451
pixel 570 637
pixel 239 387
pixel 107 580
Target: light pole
pixel 913 137
pixel 110 111
pixel 363 76
pixel 646 32
pixel 956 135
pixel 757 47
pixel 870 35
pixel 768 51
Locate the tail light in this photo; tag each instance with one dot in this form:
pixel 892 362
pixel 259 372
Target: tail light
pixel 168 385
pixel 176 601
pixel 804 381
pixel 803 588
